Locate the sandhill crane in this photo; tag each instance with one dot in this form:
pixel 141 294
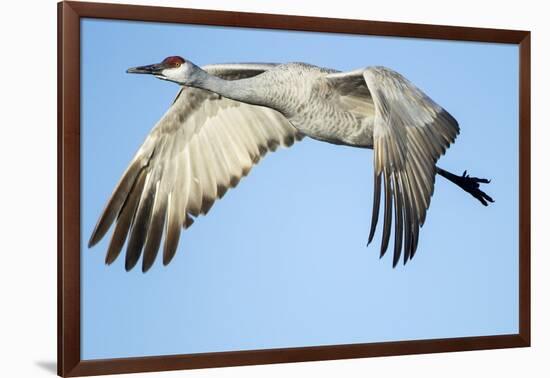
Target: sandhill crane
pixel 226 117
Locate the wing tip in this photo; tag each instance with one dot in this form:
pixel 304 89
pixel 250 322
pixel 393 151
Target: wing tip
pixel 92 241
pixel 99 231
pixel 167 259
pixel 146 266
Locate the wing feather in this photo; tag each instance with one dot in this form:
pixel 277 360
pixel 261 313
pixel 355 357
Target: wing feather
pixel 154 235
pixel 173 229
pixel 193 166
pixel 117 200
pixel 124 220
pixel 140 225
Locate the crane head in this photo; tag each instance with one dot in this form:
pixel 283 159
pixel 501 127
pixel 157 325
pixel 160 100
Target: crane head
pixel 173 68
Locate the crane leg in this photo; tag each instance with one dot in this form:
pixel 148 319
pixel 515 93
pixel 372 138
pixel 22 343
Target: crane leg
pixel 468 184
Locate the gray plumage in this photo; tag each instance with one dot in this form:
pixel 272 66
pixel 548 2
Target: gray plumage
pixel 227 117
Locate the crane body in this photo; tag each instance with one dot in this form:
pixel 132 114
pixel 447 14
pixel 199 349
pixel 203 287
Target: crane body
pixel 226 117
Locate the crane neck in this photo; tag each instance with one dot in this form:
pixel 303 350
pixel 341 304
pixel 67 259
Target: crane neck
pixel 247 90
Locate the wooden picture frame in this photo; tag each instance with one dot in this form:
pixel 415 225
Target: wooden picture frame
pixel 69 357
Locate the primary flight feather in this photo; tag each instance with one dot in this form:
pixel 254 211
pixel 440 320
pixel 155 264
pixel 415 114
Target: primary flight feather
pixel 226 117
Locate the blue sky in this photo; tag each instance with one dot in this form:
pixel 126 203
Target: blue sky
pixel 282 260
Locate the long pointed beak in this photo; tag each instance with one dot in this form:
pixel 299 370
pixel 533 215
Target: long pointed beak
pixel 151 69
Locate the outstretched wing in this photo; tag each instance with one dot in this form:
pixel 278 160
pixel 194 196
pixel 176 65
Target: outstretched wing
pixel 410 133
pixel 200 148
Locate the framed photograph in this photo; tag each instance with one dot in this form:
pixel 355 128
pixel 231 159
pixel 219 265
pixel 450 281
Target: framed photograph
pixel 240 188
